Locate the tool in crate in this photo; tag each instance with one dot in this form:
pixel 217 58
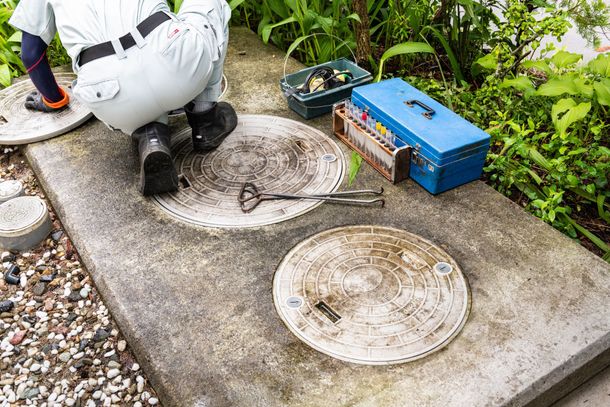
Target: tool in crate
pixel 403 132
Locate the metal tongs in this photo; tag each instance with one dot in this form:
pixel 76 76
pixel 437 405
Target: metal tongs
pixel 250 197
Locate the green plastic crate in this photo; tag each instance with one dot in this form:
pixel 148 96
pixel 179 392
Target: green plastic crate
pixel 311 105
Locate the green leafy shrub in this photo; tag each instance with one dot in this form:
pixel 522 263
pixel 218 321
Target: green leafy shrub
pixel 550 128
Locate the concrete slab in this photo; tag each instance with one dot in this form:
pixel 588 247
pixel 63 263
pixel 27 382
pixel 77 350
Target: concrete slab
pixel 196 303
pixel 594 393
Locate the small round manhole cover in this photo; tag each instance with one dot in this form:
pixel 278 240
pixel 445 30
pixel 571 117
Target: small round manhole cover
pixel 10 189
pixel 276 154
pixel 19 125
pixel 224 86
pixel 371 295
pixel 24 222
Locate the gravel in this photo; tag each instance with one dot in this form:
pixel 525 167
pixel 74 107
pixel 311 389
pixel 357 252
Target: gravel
pixel 58 343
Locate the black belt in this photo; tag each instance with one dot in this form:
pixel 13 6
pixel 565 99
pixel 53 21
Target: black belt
pixel 127 41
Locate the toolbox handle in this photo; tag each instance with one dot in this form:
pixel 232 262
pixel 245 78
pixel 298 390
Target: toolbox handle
pixel 428 110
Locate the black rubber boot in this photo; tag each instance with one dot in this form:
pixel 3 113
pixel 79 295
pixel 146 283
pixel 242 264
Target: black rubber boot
pixel 211 127
pixel 157 172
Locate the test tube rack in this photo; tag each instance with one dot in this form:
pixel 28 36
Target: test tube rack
pixel 390 157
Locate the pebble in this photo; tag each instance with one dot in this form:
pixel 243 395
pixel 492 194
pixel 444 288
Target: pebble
pixel 64 357
pixel 74 296
pixel 112 373
pixel 100 335
pixel 31 393
pixel 114 364
pixel 39 288
pixel 84 292
pixel 17 338
pixel 58 342
pixel 6 306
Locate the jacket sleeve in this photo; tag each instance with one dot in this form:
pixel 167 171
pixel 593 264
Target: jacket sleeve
pixel 35 17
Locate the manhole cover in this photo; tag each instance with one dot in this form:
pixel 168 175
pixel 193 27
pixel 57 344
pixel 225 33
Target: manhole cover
pixel 276 154
pixel 19 125
pixel 224 86
pixel 24 222
pixel 10 189
pixel 371 295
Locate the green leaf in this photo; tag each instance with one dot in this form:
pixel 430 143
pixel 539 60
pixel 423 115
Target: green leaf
pixel 522 83
pixel 354 166
pixel 602 91
pixel 583 88
pixel 5 75
pixel 571 114
pixel 538 65
pixel 600 208
pixel 488 62
pixel 266 33
pixel 355 17
pixel 563 59
pixel 558 86
pixel 600 65
pixel 16 37
pixel 455 65
pixel 401 49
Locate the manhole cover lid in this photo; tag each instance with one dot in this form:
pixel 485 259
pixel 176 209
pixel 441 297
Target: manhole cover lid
pixel 10 189
pixel 274 153
pixel 22 215
pixel 19 125
pixel 371 295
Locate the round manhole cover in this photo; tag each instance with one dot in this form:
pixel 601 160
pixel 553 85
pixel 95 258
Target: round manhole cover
pixel 19 125
pixel 276 154
pixel 371 295
pixel 24 222
pixel 10 189
pixel 224 86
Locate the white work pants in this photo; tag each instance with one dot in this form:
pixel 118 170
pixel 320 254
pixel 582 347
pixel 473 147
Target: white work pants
pixel 181 60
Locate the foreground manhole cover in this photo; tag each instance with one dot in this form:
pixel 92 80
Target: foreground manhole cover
pixel 24 222
pixel 224 86
pixel 371 295
pixel 276 154
pixel 10 189
pixel 19 125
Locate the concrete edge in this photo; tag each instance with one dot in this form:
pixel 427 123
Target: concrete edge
pixel 108 297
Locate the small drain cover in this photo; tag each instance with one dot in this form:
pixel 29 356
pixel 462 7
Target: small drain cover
pixel 19 125
pixel 24 222
pixel 371 295
pixel 10 189
pixel 276 154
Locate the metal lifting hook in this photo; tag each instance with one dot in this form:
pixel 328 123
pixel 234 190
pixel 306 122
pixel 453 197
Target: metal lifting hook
pixel 250 197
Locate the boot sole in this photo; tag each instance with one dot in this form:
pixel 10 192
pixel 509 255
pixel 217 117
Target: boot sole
pixel 157 174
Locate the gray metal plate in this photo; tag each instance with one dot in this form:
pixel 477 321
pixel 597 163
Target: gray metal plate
pixel 276 154
pixel 371 295
pixel 19 125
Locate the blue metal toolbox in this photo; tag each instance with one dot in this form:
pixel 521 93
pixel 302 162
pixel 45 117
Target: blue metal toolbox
pixel 447 150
